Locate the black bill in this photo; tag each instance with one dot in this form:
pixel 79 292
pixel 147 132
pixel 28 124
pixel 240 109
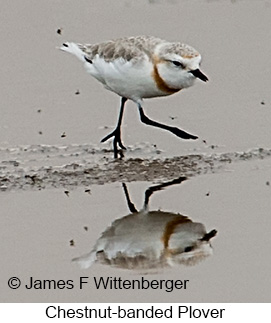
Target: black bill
pixel 197 73
pixel 208 236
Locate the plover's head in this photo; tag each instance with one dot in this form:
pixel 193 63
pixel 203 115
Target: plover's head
pixel 178 65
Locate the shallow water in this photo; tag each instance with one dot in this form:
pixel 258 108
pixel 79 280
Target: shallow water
pixel 44 230
pixel 60 188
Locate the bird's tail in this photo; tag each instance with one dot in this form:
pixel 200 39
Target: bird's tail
pixel 74 49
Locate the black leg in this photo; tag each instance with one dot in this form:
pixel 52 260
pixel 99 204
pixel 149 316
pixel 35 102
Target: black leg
pixel 176 131
pixel 131 205
pixel 117 133
pixel 159 187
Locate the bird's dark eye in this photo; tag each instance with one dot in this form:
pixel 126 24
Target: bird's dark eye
pixel 177 63
pixel 188 249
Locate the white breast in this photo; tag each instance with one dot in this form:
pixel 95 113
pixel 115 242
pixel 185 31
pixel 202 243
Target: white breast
pixel 132 79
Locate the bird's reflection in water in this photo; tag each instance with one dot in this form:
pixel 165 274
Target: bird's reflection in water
pixel 150 239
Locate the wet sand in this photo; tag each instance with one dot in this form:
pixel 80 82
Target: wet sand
pixel 60 188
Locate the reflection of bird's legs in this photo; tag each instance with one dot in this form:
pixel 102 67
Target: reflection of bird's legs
pixel 131 206
pixel 159 187
pixel 117 133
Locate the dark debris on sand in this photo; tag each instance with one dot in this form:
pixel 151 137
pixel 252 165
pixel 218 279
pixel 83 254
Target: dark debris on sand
pixel 86 173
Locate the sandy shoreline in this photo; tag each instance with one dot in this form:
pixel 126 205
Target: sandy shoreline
pixel 43 167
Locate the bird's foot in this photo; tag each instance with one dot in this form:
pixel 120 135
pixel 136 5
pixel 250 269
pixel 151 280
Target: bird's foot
pixel 116 142
pixel 182 134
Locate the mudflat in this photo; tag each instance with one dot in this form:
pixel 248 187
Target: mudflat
pixel 61 189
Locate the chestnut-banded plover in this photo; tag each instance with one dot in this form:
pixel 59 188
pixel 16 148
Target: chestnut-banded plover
pixel 140 67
